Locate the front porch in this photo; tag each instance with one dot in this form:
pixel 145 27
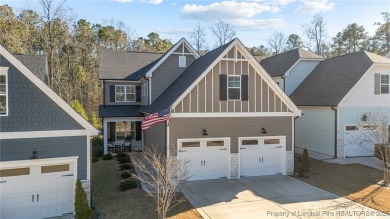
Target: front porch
pixel 122 133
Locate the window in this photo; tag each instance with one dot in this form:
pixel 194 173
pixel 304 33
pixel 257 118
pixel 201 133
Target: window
pixel 182 61
pixel 190 144
pixel 55 168
pixel 234 87
pixel 3 93
pixel 124 93
pixel 145 89
pixel 123 130
pixel 215 143
pixel 351 128
pixel 15 172
pixel 385 84
pixel 250 142
pixel 271 141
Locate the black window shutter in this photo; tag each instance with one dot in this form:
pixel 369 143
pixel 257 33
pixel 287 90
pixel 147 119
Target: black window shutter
pixel 138 93
pixel 112 93
pixel 377 84
pixel 223 87
pixel 244 87
pixel 138 131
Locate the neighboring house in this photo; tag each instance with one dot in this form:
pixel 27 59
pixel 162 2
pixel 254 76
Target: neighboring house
pixel 44 143
pixel 228 117
pixel 290 68
pixel 334 98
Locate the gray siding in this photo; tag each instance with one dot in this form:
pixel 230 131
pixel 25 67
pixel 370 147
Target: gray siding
pixel 298 74
pixel 230 127
pixel 21 149
pixel 107 93
pixel 167 73
pixel 155 136
pixel 315 130
pixel 29 108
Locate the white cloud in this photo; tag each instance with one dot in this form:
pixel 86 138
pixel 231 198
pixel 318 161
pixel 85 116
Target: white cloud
pixel 225 10
pixel 283 2
pixel 256 24
pixel 154 2
pixel 180 31
pixel 312 7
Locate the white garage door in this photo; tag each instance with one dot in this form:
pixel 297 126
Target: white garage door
pixel 355 142
pixel 208 158
pixel 261 156
pixel 36 191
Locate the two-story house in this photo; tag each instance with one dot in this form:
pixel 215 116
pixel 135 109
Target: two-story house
pixel 335 98
pixel 227 116
pixel 44 143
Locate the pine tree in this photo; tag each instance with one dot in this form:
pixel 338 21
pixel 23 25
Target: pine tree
pixel 304 164
pixel 82 210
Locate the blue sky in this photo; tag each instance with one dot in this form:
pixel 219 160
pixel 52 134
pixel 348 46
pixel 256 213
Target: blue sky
pixel 254 20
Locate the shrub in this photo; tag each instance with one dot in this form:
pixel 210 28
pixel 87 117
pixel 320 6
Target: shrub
pixel 82 210
pixel 128 184
pixel 303 164
pixel 121 154
pixel 125 166
pixel 107 157
pixel 125 175
pixel 95 159
pixel 123 159
pixel 97 147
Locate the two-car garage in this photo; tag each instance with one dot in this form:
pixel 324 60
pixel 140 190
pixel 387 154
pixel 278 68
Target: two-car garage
pixel 210 158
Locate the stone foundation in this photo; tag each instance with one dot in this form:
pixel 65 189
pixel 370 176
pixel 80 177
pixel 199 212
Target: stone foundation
pixel 234 165
pixel 289 162
pixel 87 188
pixel 340 148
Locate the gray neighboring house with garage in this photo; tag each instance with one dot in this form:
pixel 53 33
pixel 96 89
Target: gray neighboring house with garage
pixel 228 117
pixel 44 143
pixel 334 97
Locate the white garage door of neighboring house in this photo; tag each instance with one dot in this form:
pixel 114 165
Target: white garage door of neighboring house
pixel 355 142
pixel 208 158
pixel 261 156
pixel 34 189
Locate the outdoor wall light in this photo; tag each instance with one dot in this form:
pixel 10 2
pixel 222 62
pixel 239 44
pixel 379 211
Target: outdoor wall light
pixel 263 130
pixel 34 155
pixel 205 132
pixel 364 118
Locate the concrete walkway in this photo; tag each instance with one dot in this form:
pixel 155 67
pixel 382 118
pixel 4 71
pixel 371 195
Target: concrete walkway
pixel 270 197
pixel 373 162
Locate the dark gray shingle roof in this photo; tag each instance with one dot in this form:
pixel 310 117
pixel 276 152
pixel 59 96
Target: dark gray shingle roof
pixel 124 65
pixel 331 80
pixel 180 85
pixel 119 111
pixel 278 65
pixel 37 64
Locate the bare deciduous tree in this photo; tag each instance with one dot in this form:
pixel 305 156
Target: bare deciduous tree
pixel 276 42
pixel 375 131
pixel 164 175
pixel 315 31
pixel 223 31
pixel 198 38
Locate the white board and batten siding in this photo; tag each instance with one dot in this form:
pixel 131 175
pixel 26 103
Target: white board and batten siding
pixel 298 73
pixel 359 101
pixel 315 131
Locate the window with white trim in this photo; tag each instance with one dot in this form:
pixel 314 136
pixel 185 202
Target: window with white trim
pixel 145 89
pixel 234 87
pixel 385 84
pixel 124 93
pixel 3 93
pixel 182 61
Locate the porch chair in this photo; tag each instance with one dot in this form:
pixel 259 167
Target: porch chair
pixel 110 145
pixel 127 144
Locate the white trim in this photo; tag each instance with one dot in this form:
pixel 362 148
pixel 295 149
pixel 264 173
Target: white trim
pixel 50 93
pixel 227 87
pixel 125 93
pixel 4 71
pixel 105 135
pixel 150 90
pixel 242 114
pixel 45 161
pixel 183 54
pixel 173 49
pixel 124 119
pixel 88 157
pixel 43 134
pixel 168 135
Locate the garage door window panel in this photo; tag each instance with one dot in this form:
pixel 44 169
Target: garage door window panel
pixel 215 143
pixel 191 144
pixel 271 141
pixel 55 168
pixel 15 172
pixel 250 142
pixel 351 128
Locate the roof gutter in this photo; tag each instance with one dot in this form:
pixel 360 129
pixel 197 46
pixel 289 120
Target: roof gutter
pixel 335 131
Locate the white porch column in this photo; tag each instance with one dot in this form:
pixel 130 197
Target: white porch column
pixel 105 136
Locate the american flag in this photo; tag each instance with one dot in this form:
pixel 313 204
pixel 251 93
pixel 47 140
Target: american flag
pixel 157 117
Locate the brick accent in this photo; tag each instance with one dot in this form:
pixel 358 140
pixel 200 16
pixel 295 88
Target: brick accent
pixel 289 162
pixel 234 165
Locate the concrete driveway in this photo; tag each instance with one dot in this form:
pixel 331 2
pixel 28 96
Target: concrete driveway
pixel 270 197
